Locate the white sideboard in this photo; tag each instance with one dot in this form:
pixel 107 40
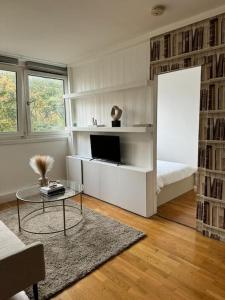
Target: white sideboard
pixel 128 187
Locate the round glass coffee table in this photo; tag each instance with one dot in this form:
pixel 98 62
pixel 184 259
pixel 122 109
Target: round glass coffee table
pixel 32 195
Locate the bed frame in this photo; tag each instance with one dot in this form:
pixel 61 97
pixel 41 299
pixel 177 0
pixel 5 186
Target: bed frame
pixel 175 189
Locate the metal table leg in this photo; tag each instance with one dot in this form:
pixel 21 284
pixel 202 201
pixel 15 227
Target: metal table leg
pixel 35 291
pixel 81 203
pixel 64 218
pixel 18 212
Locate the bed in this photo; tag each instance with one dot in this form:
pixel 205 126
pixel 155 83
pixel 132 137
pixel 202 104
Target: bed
pixel 173 180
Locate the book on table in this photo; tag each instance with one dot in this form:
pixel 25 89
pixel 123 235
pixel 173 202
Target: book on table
pixel 52 190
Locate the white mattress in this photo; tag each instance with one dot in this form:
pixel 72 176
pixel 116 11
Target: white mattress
pixel 169 172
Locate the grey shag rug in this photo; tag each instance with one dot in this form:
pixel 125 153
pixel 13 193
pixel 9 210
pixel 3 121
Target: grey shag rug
pixel 69 258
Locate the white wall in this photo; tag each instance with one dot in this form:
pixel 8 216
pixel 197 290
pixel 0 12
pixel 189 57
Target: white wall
pixel 15 170
pixel 178 116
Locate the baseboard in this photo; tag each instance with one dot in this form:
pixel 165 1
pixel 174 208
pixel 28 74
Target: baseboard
pixel 8 197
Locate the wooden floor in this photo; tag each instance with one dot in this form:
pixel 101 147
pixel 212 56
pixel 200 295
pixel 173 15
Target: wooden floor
pixel 181 210
pixel 173 262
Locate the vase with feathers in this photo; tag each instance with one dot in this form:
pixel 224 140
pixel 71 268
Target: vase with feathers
pixel 42 164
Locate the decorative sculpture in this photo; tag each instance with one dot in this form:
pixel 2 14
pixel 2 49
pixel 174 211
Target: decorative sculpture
pixel 116 114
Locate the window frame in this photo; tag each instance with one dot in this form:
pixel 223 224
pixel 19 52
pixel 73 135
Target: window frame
pixel 19 102
pixel 29 132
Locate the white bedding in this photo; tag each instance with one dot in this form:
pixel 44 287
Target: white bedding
pixel 169 172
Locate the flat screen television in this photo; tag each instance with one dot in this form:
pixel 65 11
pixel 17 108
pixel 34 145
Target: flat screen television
pixel 105 147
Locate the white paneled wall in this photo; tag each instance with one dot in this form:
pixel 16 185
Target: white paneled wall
pixel 133 103
pixel 125 67
pixel 122 67
pixel 131 186
pixel 135 148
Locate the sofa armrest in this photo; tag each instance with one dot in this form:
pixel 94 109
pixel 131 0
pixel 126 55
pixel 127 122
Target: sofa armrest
pixel 21 269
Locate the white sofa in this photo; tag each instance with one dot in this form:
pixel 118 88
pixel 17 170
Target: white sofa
pixel 20 265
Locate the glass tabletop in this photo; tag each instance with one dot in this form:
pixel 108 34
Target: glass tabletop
pixel 32 193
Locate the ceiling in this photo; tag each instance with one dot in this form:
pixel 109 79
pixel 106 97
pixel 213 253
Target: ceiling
pixel 64 30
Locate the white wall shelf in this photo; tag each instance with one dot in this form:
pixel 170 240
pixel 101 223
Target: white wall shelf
pixel 89 93
pixel 113 129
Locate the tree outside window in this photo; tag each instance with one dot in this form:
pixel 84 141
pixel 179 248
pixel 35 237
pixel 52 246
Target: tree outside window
pixel 8 102
pixel 47 111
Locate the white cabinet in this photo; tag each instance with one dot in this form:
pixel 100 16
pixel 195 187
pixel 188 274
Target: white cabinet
pixel 132 192
pixel 126 187
pixel 109 183
pixel 73 167
pixel 91 175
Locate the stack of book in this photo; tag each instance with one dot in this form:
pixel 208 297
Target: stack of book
pixel 205 35
pixel 210 66
pixel 213 188
pixel 186 41
pixel 212 98
pixel 199 210
pixel 164 68
pixel 213 32
pixel 211 214
pixel 187 62
pixel 155 51
pixel 204 99
pixel 174 44
pixel 213 66
pixel 198 39
pixel 212 157
pixel 167 46
pixel 223 31
pixel 52 190
pixel 220 71
pixel 212 129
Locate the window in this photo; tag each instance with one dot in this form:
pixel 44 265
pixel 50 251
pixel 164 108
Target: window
pixel 46 103
pixel 8 101
pixel 31 99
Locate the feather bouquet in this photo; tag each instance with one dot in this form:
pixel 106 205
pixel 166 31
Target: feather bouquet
pixel 42 164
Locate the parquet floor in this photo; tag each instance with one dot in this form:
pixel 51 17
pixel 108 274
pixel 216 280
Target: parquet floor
pixel 181 209
pixel 172 262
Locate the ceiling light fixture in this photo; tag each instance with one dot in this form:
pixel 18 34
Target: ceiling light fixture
pixel 158 10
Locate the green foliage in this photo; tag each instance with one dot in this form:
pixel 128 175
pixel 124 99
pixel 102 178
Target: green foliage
pixel 47 107
pixel 8 106
pixel 47 110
